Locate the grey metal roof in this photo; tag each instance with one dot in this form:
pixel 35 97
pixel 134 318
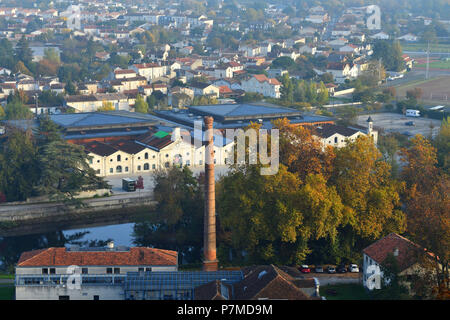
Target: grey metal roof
pixel 92 119
pixel 228 111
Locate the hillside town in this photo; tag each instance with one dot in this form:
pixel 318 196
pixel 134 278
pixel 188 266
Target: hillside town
pixel 138 115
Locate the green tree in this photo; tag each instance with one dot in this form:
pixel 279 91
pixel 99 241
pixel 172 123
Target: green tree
pixel 140 105
pixel 23 52
pixel 287 89
pixel 442 144
pixel 177 221
pixel 16 110
pixel 392 287
pixel 18 166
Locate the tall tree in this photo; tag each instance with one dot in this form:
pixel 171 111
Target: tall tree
pixel 140 105
pixel 364 183
pixel 18 166
pixel 23 52
pixel 177 221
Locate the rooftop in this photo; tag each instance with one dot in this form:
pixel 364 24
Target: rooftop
pixel 65 257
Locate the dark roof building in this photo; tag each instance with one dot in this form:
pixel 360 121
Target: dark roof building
pixel 261 282
pixel 240 115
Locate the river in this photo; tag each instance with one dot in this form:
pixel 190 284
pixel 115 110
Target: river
pixel 121 234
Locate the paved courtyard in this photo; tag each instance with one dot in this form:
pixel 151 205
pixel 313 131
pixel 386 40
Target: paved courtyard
pixel 395 122
pixel 116 180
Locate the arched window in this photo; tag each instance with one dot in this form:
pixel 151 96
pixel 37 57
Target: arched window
pixel 118 158
pixel 139 168
pixel 119 169
pixel 146 155
pixel 146 166
pixel 335 140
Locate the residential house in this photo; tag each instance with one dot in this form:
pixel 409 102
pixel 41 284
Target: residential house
pixel 410 257
pixel 150 71
pixel 260 83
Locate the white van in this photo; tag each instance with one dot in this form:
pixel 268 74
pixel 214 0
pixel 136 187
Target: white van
pixel 412 113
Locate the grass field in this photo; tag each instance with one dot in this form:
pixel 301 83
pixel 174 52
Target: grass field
pixel 440 47
pixel 6 292
pixel 344 292
pixel 6 276
pixel 436 65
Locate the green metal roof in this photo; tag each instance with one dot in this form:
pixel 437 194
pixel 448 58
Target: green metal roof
pixel 161 134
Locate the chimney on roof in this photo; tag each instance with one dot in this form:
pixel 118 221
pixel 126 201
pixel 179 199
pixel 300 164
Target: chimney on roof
pixel 110 245
pixel 396 252
pixel 210 262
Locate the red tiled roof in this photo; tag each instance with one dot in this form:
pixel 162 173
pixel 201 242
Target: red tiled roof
pixel 408 251
pixel 134 257
pixel 224 89
pixel 263 78
pixel 124 71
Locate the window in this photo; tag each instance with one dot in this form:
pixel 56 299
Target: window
pixel 119 169
pixel 110 160
pixel 90 161
pixel 335 140
pixel 167 155
pixel 154 157
pixel 139 168
pixel 84 270
pixel 148 269
pixel 98 161
pixel 44 271
pixel 118 158
pixel 146 155
pixel 52 271
pixel 167 164
pixel 153 166
pixel 111 170
pixel 64 297
pixel 188 163
pixel 109 270
pixel 146 166
pixel 96 297
pixel 116 270
pixel 141 269
pixel 126 169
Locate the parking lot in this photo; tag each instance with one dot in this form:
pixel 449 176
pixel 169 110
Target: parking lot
pixel 394 122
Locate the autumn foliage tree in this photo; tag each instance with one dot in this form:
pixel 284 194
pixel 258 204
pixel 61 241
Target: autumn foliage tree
pixel 428 205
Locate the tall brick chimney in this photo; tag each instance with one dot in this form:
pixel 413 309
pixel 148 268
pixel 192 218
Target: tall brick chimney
pixel 210 262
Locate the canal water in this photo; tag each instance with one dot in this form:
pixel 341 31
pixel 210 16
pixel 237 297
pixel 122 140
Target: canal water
pixel 121 234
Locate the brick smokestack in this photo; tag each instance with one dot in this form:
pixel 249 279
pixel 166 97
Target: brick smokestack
pixel 210 262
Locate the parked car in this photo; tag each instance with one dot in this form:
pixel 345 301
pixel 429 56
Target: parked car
pixel 305 269
pixel 318 269
pixel 331 270
pixel 410 123
pixel 342 269
pixel 353 268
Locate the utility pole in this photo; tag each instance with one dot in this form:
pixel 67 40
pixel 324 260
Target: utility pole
pixel 36 96
pixel 428 61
